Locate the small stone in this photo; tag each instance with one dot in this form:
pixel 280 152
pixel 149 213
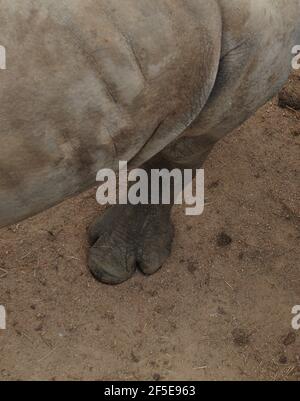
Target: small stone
pixel 283 360
pixel 289 339
pixel 224 240
pixel 156 377
pixel 240 338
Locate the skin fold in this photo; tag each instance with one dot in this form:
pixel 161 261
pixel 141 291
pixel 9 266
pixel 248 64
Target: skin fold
pixel 153 82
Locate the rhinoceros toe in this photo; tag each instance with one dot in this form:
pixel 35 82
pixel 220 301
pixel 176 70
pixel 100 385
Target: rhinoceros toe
pixel 129 237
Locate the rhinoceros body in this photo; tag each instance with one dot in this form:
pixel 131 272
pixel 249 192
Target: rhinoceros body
pixel 89 83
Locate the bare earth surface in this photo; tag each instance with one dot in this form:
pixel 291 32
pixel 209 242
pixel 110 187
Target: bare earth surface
pixel 219 309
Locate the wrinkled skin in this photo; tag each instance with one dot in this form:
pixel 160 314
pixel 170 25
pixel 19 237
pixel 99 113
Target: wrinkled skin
pixel 154 82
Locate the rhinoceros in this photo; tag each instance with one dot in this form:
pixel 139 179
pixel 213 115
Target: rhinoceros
pixel 153 82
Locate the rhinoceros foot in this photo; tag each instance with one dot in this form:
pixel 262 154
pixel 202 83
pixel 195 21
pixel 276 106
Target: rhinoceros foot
pixel 129 237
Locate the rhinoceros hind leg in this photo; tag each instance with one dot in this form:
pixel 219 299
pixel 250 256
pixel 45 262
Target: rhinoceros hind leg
pixel 127 237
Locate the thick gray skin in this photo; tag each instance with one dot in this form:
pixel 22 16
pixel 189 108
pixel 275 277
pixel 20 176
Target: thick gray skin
pixel 93 82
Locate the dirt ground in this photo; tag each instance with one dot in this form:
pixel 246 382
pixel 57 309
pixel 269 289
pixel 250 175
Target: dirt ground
pixel 220 309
